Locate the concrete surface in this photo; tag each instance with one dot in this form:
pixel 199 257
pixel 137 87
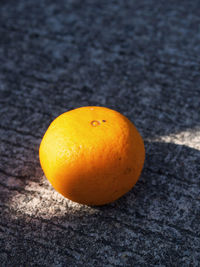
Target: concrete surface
pixel 141 58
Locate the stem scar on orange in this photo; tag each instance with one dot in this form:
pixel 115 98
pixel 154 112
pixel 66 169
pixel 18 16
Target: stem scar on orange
pixel 92 155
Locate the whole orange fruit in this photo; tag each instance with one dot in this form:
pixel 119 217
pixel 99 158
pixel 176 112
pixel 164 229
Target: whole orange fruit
pixel 92 155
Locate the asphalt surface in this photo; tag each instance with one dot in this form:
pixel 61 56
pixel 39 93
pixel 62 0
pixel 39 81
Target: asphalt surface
pixel 141 58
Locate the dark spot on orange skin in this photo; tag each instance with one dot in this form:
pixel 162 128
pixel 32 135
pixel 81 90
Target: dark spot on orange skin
pixel 104 120
pixel 127 171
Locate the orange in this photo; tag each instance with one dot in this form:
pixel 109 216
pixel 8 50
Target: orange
pixel 92 155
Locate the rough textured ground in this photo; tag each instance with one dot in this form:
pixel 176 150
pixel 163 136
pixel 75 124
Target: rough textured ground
pixel 141 58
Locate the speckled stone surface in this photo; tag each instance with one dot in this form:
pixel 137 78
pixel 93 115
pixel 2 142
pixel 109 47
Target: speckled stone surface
pixel 141 58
